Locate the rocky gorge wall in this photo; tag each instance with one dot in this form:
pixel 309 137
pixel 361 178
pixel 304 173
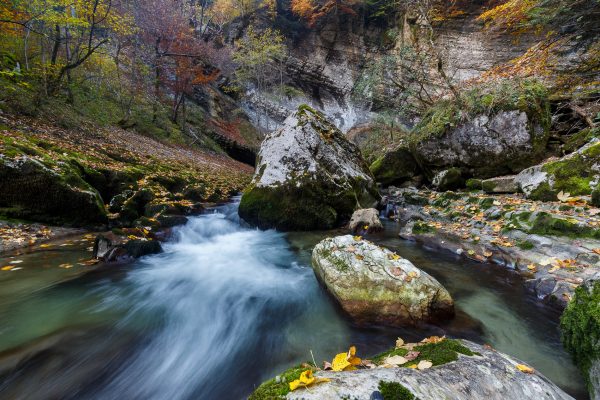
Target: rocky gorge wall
pixel 327 62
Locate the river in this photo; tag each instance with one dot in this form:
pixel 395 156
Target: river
pixel 224 308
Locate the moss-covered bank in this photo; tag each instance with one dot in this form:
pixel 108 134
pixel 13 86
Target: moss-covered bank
pixel 580 325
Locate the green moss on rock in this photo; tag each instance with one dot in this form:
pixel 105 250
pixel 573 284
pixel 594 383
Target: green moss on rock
pixel 580 325
pixel 394 391
pixel 395 167
pixel 474 184
pixel 529 96
pixel 293 208
pixel 438 353
pixel 277 388
pixel 421 228
pixel 547 224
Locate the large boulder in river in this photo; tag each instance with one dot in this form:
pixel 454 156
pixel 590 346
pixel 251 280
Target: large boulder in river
pixel 475 372
pixel 374 285
pixel 484 146
pixel 577 173
pixel 31 190
pixel 308 176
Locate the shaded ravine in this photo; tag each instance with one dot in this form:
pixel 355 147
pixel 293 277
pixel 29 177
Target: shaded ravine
pixel 224 308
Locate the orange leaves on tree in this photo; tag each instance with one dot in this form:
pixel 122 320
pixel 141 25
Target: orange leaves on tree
pixel 303 8
pixel 312 12
pixel 512 15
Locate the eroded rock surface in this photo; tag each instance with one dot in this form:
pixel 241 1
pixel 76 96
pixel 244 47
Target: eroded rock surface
pixel 374 285
pixel 489 375
pixel 365 220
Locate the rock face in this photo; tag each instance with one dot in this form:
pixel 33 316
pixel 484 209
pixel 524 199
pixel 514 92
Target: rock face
pixel 485 146
pixel 395 167
pixel 577 173
pixel 365 220
pixel 30 190
pixel 489 375
pixel 374 285
pixel 308 176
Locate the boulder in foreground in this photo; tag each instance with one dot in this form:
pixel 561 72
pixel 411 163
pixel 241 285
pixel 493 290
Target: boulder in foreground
pixel 374 285
pixel 308 176
pixel 473 372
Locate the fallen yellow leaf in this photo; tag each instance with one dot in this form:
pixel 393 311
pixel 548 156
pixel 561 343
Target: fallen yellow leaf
pixel 525 369
pixel 306 379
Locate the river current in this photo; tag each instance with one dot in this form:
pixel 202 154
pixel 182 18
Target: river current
pixel 226 307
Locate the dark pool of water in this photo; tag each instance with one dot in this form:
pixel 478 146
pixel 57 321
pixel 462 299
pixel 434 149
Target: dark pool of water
pixel 225 308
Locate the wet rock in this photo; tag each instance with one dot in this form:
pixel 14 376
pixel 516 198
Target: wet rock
pixel 449 179
pixel 365 220
pixel 374 285
pixel 486 145
pixel 500 184
pixel 488 374
pixel 31 190
pixel 580 325
pixel 308 176
pixel 133 207
pixel 110 248
pixel 116 203
pixel 395 167
pixel 577 173
pixel 139 248
pixel 170 221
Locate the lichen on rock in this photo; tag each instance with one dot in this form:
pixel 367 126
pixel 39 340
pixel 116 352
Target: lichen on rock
pixel 375 285
pixel 308 176
pixel 577 173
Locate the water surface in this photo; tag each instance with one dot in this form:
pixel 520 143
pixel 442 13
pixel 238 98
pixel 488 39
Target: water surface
pixel 224 308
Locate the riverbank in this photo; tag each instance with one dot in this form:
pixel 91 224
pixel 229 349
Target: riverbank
pixel 554 245
pixel 96 177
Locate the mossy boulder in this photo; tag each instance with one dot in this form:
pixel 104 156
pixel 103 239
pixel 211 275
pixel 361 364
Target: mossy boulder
pixel 580 325
pixel 449 179
pixel 395 167
pixel 31 190
pixel 486 132
pixel 374 285
pixel 577 173
pixel 308 176
pixel 461 370
pixel 134 207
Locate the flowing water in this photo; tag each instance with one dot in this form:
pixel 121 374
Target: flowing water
pixel 224 308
